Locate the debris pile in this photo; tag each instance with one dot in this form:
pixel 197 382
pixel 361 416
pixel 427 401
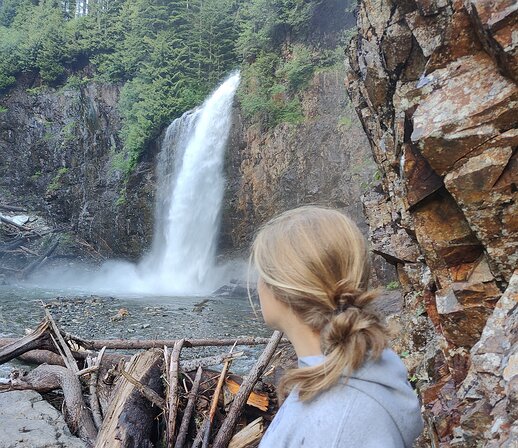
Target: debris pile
pixel 154 397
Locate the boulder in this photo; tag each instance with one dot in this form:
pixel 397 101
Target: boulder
pixel 28 421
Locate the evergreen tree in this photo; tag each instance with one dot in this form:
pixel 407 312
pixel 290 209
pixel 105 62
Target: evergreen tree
pixel 167 54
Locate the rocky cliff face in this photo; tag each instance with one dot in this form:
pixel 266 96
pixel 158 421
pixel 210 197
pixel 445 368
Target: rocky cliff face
pixel 58 155
pixel 434 84
pixel 57 149
pixel 324 160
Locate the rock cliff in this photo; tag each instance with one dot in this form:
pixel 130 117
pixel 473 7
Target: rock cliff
pixel 434 85
pixel 324 160
pixel 58 155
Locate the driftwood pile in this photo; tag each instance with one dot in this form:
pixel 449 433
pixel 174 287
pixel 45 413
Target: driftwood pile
pixel 153 398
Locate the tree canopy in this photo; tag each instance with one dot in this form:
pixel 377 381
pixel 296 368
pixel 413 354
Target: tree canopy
pixel 167 54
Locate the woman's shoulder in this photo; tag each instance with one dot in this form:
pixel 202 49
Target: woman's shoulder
pixel 378 395
pixel 339 416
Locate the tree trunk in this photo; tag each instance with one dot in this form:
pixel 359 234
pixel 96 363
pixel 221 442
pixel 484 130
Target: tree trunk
pixel 130 419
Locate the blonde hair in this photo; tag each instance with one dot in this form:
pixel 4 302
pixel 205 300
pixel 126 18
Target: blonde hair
pixel 315 260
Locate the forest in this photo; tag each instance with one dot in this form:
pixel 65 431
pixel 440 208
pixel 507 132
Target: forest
pixel 168 55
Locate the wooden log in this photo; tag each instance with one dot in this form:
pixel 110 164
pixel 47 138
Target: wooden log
pixel 249 436
pixel 201 431
pixel 38 339
pixel 215 399
pixel 47 378
pixel 225 432
pixel 188 365
pixel 135 344
pixel 13 244
pixel 12 208
pixel 61 344
pixel 31 267
pixel 39 356
pixel 29 251
pixel 92 386
pixel 172 372
pixel 187 414
pixel 47 355
pixel 130 419
pixel 259 400
pixel 146 392
pixel 14 224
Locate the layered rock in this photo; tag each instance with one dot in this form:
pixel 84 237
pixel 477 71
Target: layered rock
pixel 434 84
pixel 58 157
pixel 323 160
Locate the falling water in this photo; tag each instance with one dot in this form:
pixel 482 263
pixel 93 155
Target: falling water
pixel 190 191
pixel 189 196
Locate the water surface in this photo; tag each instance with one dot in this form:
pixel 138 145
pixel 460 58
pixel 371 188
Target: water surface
pixel 153 317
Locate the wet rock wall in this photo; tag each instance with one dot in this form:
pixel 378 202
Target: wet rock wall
pixel 434 85
pixel 323 160
pixel 57 158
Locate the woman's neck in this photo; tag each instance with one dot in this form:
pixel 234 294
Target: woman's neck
pixel 305 341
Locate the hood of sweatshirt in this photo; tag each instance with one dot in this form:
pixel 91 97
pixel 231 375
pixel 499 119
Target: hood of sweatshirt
pixel 385 380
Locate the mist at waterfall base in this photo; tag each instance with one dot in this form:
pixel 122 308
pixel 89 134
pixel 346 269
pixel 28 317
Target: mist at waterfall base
pixel 190 190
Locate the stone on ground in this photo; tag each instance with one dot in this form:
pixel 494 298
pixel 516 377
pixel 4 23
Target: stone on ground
pixel 28 421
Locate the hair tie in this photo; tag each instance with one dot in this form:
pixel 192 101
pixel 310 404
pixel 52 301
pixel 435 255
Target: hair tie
pixel 344 297
pixel 342 308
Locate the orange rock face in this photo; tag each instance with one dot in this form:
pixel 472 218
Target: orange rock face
pixel 434 83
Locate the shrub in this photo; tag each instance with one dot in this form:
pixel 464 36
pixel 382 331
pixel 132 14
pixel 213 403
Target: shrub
pixel 393 285
pixel 298 70
pixel 55 184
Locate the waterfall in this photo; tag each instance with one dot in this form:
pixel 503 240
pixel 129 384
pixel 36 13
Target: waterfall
pixel 190 191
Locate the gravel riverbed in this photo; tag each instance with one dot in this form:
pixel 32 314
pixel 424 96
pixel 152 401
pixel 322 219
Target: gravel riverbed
pixel 134 317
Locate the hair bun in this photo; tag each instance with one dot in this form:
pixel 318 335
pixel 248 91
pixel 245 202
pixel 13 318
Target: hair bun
pixel 353 320
pixel 345 296
pixel 342 326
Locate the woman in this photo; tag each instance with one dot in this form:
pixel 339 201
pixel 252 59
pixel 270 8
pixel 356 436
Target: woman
pixel 349 390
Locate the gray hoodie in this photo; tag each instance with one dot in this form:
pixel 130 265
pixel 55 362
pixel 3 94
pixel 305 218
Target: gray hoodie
pixel 375 408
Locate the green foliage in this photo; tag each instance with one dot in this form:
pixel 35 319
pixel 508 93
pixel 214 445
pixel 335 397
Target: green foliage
pixel 348 35
pixel 9 63
pixel 55 184
pixel 345 121
pixel 167 55
pixel 393 285
pixel 264 24
pixel 3 109
pixel 270 87
pixel 36 176
pixel 68 133
pixel 36 90
pixel 279 57
pixel 297 70
pixel 122 199
pixel 121 161
pixel 74 82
